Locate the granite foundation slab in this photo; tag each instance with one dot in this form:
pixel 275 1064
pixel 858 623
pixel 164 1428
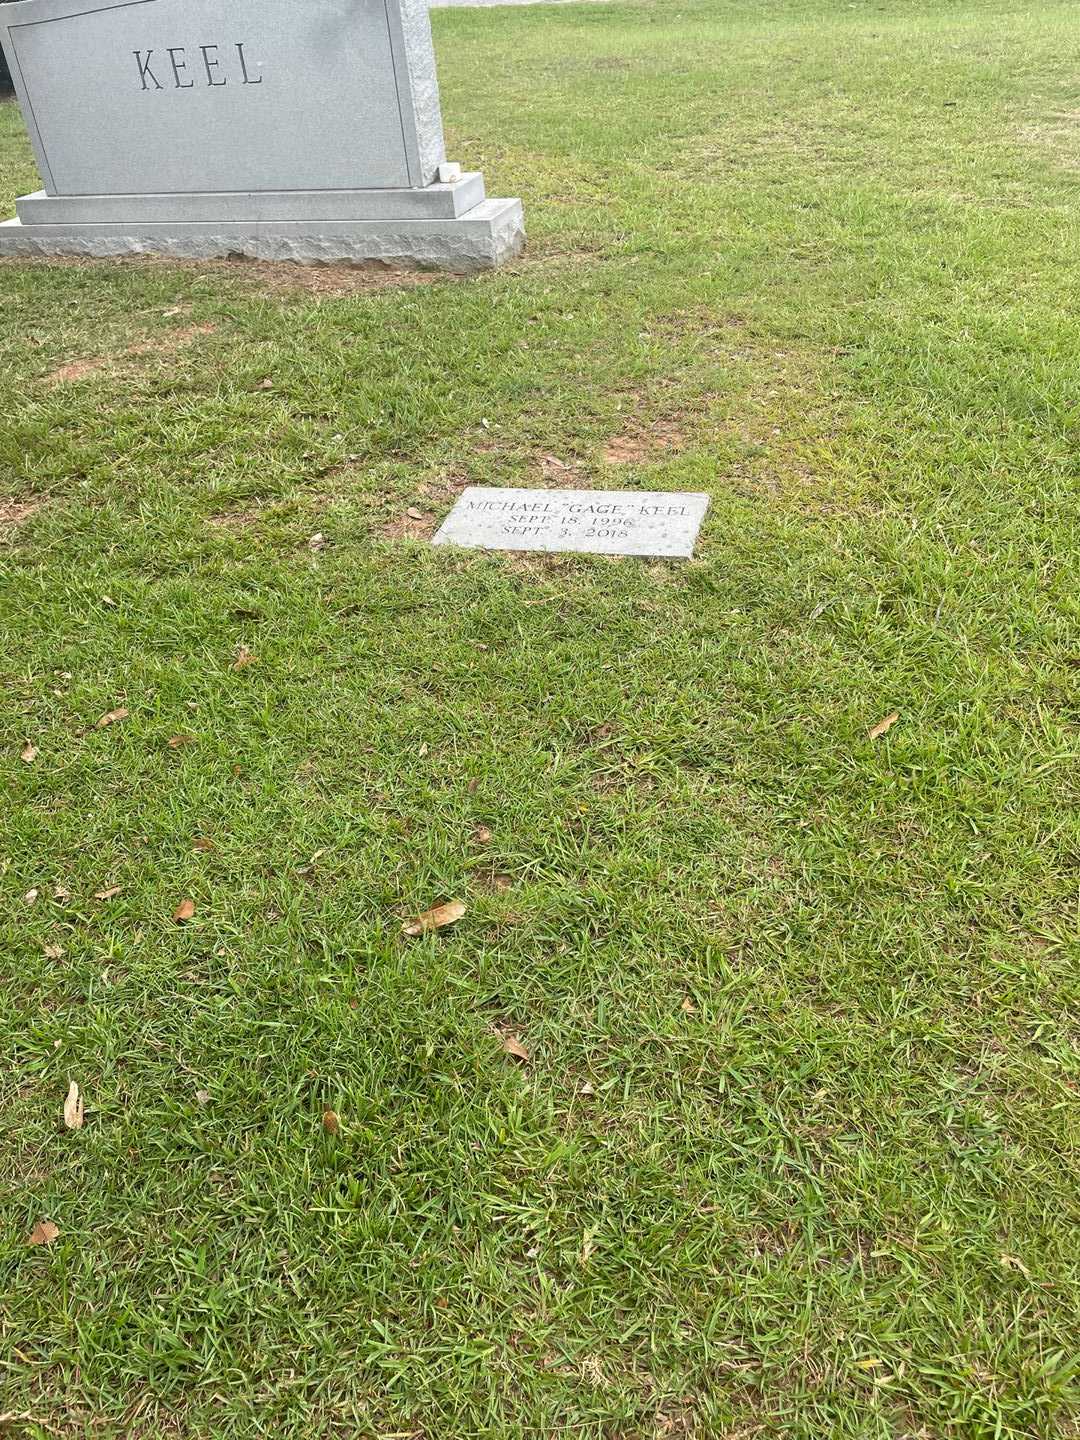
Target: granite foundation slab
pixel 430 202
pixel 485 236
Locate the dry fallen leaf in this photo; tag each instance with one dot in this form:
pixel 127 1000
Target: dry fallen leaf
pixel 876 731
pixel 513 1046
pixel 688 1005
pixel 28 754
pixel 202 844
pixel 60 893
pixel 244 657
pixel 317 541
pixel 203 1097
pixel 73 1108
pixel 586 1089
pixel 184 911
pixel 108 894
pixel 54 952
pixel 473 785
pixel 1010 1262
pixel 330 1121
pixel 482 835
pixel 31 896
pixel 435 918
pixel 414 514
pixel 266 384
pixel 43 1233
pixel 111 716
pixel 309 868
pixel 175 741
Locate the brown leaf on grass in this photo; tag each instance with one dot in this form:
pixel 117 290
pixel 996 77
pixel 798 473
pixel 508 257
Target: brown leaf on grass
pixel 482 835
pixel 514 1048
pixel 31 896
pixel 688 1005
pixel 175 741
pixel 317 541
pixel 202 1097
pixel 111 716
pixel 73 1108
pixel 330 1122
pixel 415 514
pixel 54 952
pixel 184 911
pixel 266 384
pixel 29 753
pixel 43 1233
pixel 202 844
pixel 1011 1262
pixel 107 894
pixel 244 657
pixel 883 726
pixel 437 918
pixel 473 785
pixel 309 868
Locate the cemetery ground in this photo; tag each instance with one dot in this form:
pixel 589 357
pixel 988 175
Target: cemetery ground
pixel 742 1099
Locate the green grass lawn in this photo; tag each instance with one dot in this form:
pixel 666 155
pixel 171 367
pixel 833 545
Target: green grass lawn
pixel 794 1153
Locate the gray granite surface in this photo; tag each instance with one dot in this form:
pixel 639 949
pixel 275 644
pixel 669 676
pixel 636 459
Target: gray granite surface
pixel 602 522
pixel 284 129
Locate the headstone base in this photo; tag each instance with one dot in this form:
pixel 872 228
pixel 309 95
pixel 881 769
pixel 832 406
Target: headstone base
pixel 480 238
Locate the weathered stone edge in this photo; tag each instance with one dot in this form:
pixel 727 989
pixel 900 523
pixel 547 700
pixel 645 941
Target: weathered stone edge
pixel 483 238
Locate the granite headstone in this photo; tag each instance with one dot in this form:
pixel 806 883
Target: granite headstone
pixel 281 129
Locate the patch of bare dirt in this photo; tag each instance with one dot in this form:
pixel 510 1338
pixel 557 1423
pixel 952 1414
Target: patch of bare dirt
pixel 329 281
pixel 644 443
pixel 556 474
pixel 14 512
pixel 166 343
pixel 170 340
pixel 271 277
pixel 420 518
pixel 234 519
pixel 407 527
pixel 77 370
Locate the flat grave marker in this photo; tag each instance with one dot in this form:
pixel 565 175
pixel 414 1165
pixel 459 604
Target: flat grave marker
pixel 596 522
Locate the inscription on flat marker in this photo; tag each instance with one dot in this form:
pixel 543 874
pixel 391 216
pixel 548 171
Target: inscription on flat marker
pixel 600 522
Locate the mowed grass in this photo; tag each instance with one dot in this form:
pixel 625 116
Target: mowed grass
pixel 795 1149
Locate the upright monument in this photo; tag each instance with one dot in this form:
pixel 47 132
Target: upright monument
pixel 278 129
